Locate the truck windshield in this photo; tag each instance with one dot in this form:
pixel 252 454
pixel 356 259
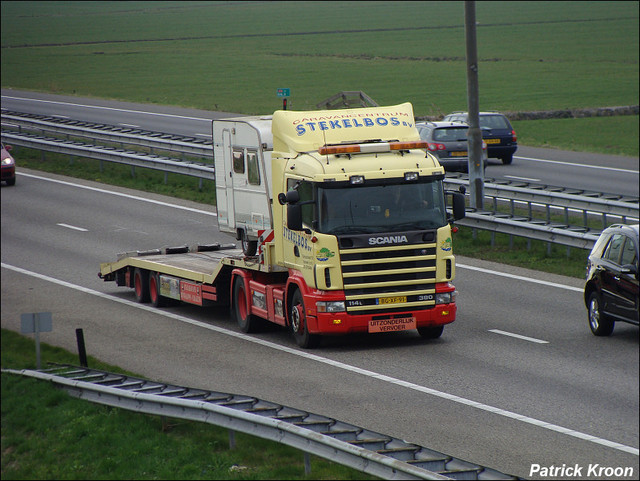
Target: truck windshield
pixel 380 208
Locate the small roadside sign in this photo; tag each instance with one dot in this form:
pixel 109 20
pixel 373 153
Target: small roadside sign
pixel 284 92
pixel 36 322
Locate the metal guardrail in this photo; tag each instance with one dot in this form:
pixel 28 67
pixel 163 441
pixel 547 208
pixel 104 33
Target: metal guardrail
pixel 579 236
pixel 367 451
pixel 109 133
pixel 558 197
pixel 546 198
pixel 111 154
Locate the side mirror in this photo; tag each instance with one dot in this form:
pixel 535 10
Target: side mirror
pixel 294 217
pixel 291 197
pixel 459 208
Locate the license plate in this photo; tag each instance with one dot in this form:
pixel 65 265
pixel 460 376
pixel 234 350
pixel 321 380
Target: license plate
pixel 389 325
pixel 459 154
pixel 492 141
pixel 392 300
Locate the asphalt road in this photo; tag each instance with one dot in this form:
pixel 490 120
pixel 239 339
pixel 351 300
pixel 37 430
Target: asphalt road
pixel 517 380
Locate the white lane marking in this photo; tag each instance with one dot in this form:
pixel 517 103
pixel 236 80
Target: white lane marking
pixel 340 365
pixel 130 125
pixel 204 135
pixel 105 108
pixel 520 278
pixel 128 196
pixel 521 178
pixel 518 336
pixel 73 227
pixel 572 164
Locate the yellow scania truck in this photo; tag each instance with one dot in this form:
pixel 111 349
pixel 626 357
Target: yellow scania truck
pixel 343 221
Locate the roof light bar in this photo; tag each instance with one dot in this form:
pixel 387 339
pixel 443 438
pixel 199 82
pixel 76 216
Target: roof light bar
pixel 371 148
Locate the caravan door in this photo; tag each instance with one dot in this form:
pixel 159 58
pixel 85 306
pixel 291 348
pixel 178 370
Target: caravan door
pixel 228 164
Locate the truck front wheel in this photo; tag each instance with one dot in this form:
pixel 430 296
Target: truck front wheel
pixel 431 332
pixel 246 321
pixel 141 284
pixel 298 323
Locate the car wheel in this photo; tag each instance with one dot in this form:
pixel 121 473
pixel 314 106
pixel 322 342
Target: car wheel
pixel 11 181
pixel 599 322
pixel 506 160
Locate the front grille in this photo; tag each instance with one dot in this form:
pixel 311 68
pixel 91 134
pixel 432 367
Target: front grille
pixel 390 278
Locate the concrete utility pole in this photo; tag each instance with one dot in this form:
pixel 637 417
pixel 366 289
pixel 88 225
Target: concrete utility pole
pixel 474 139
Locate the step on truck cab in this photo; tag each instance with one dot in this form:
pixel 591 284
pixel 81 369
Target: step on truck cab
pixel 343 220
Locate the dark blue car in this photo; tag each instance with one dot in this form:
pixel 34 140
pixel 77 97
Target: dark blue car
pixel 497 132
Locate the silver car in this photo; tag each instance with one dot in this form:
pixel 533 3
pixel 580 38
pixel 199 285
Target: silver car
pixel 448 141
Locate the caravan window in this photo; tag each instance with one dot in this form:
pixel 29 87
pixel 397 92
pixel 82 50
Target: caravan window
pixel 252 168
pixel 238 161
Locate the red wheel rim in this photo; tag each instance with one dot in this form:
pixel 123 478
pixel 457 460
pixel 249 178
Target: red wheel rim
pixel 153 289
pixel 242 302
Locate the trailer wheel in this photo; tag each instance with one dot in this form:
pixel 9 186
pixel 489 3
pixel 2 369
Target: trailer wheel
pixel 154 290
pixel 141 284
pixel 246 321
pixel 431 332
pixel 249 247
pixel 298 323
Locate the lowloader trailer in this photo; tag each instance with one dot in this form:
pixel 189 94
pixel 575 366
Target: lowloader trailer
pixel 343 221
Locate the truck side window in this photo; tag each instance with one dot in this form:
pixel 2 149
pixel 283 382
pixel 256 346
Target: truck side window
pixel 238 161
pixel 253 170
pixel 305 189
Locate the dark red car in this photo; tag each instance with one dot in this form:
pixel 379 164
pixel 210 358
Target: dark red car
pixel 8 166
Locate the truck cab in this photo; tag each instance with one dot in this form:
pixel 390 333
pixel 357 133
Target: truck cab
pixel 359 218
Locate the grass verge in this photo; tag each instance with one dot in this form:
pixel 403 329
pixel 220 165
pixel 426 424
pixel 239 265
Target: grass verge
pixel 47 434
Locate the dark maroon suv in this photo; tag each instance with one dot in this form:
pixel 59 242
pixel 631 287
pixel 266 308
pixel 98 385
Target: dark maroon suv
pixel 611 290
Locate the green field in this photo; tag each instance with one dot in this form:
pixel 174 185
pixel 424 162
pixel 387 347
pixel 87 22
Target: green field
pixel 232 56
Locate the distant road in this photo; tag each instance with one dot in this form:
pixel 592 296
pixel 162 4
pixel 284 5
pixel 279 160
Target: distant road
pixel 593 172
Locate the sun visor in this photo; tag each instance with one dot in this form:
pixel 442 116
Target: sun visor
pixel 306 131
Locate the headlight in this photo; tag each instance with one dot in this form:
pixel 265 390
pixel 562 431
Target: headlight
pixel 330 306
pixel 7 161
pixel 446 297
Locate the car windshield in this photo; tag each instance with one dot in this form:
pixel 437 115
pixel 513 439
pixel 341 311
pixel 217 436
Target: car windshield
pixel 493 122
pixel 380 208
pixel 450 134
